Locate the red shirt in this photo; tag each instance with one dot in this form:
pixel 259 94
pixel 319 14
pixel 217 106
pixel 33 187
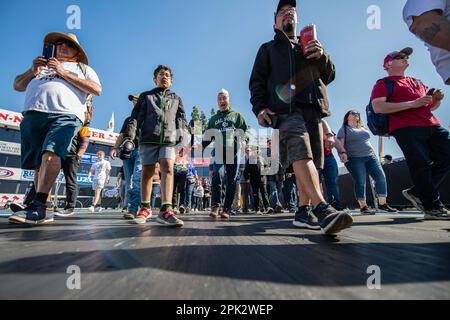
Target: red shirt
pixel 327 152
pixel 406 89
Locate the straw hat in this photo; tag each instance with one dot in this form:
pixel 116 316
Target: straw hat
pixel 52 37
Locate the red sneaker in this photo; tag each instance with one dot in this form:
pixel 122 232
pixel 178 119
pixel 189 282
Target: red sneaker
pixel 169 218
pixel 143 215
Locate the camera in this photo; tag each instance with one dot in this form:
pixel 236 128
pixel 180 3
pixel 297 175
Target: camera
pixel 126 149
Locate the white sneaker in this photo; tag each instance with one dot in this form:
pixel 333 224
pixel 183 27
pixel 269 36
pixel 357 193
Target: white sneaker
pixel 91 209
pixel 100 209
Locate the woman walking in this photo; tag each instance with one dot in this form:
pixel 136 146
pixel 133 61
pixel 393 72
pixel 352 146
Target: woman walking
pixel 360 159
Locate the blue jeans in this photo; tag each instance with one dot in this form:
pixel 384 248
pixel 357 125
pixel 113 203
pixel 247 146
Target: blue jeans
pixel 330 174
pixel 290 193
pixel 189 199
pixel 132 169
pixel 231 173
pixel 156 193
pixel 427 153
pixel 359 167
pixel 275 190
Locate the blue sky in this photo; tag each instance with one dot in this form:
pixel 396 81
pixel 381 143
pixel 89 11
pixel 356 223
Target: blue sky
pixel 210 44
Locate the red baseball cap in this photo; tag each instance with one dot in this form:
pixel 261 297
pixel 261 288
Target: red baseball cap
pixel 391 56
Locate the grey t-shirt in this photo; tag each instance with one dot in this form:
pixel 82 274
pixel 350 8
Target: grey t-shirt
pixel 357 142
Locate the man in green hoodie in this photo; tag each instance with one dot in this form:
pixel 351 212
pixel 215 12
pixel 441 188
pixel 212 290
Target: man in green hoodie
pixel 232 126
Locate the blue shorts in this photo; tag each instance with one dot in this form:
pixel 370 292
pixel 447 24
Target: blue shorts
pixel 41 132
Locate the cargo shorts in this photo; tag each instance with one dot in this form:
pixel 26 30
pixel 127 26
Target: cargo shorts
pixel 301 137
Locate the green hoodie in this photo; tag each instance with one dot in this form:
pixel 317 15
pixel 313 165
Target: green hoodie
pixel 227 121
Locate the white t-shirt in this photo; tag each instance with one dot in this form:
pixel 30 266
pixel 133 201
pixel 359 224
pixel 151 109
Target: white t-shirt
pixel 99 168
pixel 414 8
pixel 50 93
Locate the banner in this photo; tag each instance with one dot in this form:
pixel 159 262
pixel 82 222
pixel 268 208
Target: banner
pixel 10 148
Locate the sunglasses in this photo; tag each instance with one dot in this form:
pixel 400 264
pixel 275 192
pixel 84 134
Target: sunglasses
pixel 401 57
pixel 67 43
pixel 355 113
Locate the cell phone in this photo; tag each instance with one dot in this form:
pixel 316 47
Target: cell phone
pixel 431 92
pixel 49 51
pixel 274 120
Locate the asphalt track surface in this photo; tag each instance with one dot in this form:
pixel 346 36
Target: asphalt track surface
pixel 249 257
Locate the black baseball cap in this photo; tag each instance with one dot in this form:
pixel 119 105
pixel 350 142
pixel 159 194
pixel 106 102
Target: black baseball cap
pixel 285 2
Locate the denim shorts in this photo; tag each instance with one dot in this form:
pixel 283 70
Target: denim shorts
pixel 41 132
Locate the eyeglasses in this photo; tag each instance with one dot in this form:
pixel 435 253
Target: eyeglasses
pixel 286 11
pixel 163 74
pixel 67 43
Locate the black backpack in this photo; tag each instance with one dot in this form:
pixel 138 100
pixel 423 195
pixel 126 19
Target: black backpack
pixel 378 123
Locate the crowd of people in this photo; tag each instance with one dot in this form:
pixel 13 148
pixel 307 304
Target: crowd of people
pixel 288 87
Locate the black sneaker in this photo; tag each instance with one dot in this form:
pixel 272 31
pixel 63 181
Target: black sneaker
pixel 16 207
pixel 437 214
pixel 304 219
pixel 32 215
pixel 65 213
pixel 414 199
pixel 128 215
pixel 278 209
pixel 269 210
pixel 331 221
pixel 386 208
pixel 365 211
pixel 182 210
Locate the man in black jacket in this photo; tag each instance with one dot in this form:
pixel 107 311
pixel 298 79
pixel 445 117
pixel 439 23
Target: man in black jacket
pixel 288 93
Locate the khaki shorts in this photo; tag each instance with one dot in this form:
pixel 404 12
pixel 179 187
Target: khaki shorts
pixel 152 153
pixel 301 137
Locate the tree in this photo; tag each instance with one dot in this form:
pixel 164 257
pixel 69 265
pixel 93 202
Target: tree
pixel 213 112
pixel 195 115
pixel 203 121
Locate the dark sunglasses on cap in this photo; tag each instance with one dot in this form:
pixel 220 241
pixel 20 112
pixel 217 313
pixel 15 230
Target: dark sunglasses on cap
pixel 68 43
pixel 354 113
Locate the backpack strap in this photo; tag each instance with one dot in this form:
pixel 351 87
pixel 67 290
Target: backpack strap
pixel 83 68
pixel 390 88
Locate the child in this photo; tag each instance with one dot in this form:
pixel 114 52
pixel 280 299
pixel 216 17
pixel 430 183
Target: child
pixel 101 171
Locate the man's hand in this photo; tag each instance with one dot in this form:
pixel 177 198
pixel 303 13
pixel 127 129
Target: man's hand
pixel 421 102
pixel 54 64
pixel 314 50
pixel 438 96
pixel 113 153
pixel 38 63
pixel 264 118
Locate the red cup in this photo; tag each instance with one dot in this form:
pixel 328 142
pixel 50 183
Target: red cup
pixel 307 34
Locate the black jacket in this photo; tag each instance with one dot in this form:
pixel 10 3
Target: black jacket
pixel 158 118
pixel 283 79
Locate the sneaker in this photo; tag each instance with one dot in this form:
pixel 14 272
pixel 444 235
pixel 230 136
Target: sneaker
pixel 65 213
pixel 331 221
pixel 365 211
pixel 16 207
pixel 225 215
pixel 168 218
pixel 129 215
pixel 386 208
pixel 91 209
pixel 437 214
pixel 278 209
pixel 143 215
pixel 415 200
pixel 270 210
pixel 292 210
pixel 233 212
pixel 100 209
pixel 182 210
pixel 214 213
pixel 304 219
pixel 32 215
